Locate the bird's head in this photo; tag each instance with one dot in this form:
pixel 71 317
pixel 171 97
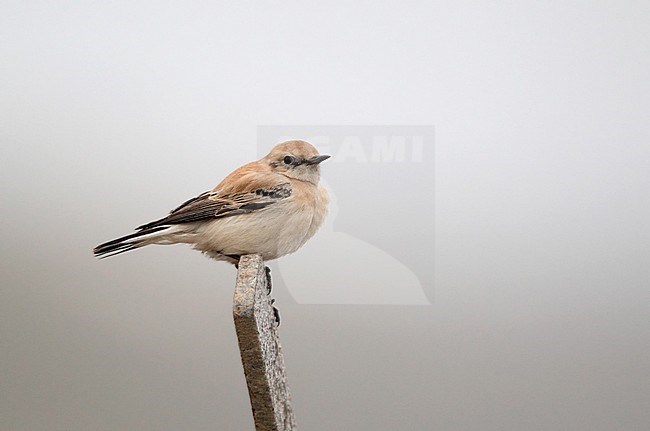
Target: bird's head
pixel 296 159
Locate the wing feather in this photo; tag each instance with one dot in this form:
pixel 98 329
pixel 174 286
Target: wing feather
pixel 215 204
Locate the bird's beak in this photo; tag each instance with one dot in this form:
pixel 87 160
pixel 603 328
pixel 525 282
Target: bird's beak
pixel 317 159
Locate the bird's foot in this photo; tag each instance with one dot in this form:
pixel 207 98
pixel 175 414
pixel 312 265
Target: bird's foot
pixel 276 313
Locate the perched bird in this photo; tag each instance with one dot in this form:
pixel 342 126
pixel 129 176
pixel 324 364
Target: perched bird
pixel 269 207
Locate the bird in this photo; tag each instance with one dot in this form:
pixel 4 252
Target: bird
pixel 270 207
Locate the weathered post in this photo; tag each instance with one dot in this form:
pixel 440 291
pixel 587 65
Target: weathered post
pixel 259 344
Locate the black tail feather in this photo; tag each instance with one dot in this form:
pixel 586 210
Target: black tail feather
pixel 117 250
pixel 123 244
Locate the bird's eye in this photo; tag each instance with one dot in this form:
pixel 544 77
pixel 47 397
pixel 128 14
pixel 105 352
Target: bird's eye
pixel 288 160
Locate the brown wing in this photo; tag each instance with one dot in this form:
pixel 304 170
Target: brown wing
pixel 216 204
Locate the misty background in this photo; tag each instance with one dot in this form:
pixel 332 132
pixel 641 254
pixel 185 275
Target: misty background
pixel 113 113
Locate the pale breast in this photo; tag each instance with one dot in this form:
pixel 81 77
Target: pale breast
pixel 274 231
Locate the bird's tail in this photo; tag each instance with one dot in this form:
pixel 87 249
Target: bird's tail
pixel 130 242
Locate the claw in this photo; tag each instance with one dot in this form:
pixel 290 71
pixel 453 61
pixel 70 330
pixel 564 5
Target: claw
pixel 276 313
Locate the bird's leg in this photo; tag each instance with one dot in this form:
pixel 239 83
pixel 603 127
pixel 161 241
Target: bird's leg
pixel 234 257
